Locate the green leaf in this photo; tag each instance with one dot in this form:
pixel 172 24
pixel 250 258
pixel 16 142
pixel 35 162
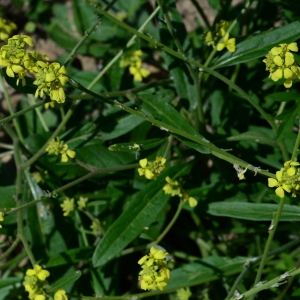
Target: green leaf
pixel 284 96
pixel 259 45
pixel 9 281
pixel 203 271
pixel 29 88
pixel 157 106
pixel 8 200
pixel 98 156
pixel 141 145
pixel 70 256
pixel 288 118
pixel 253 136
pixel 64 281
pixel 253 211
pixel 141 212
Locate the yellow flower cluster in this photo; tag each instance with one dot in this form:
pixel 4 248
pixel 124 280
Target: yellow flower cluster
pixel 96 227
pixel 35 282
pixel 152 169
pixel 184 293
pixel 49 77
pixel 219 39
pixel 280 63
pixel 68 205
pixel 288 179
pixel 155 273
pixel 6 29
pixel 134 61
pixel 1 218
pixel 174 188
pixel 58 147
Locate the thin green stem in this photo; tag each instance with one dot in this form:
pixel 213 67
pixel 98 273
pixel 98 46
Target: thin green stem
pixel 268 244
pixel 191 61
pixel 170 141
pixel 18 161
pixel 22 112
pixel 201 12
pixel 81 229
pixel 86 35
pixel 75 182
pixel 214 150
pixel 11 248
pixel 296 147
pixel 167 229
pixel 32 101
pixel 192 72
pixel 119 54
pixel 11 110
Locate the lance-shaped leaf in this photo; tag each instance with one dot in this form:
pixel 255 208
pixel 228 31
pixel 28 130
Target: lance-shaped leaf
pixel 141 213
pixel 254 211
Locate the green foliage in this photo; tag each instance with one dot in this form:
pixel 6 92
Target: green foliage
pixel 221 127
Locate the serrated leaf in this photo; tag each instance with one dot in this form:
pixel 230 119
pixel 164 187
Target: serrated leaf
pixel 203 271
pixel 254 211
pixel 141 212
pixel 136 146
pixel 254 136
pixel 259 45
pixel 288 119
pixel 156 106
pixel 64 281
pixel 284 96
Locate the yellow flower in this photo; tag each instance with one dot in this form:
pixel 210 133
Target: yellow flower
pixel 56 147
pixel 39 272
pixel 1 218
pixel 95 227
pixel 67 206
pixel 172 188
pixel 227 43
pixel 152 169
pixel 60 295
pixel 155 273
pixel 280 63
pixel 82 202
pixel 138 72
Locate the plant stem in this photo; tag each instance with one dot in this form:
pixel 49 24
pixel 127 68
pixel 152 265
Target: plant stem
pixel 10 249
pixel 296 147
pixel 167 229
pixel 72 183
pixel 119 54
pixel 32 101
pixel 191 61
pixel 11 110
pixel 18 161
pixel 268 244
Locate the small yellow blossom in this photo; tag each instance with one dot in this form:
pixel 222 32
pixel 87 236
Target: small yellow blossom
pixel 58 147
pixel 184 293
pixel 174 188
pixel 152 169
pixel 82 202
pixel 227 43
pixel 1 218
pixel 39 272
pixel 287 179
pixel 218 38
pixel 280 63
pixel 60 295
pixel 155 273
pixel 134 61
pixel 6 28
pixel 67 206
